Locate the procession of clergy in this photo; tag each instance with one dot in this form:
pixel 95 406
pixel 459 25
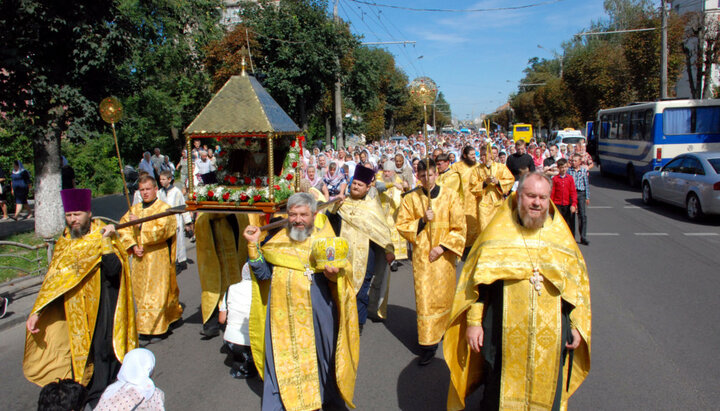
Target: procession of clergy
pixel 515 324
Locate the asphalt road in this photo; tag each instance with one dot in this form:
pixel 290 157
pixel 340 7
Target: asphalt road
pixel 654 306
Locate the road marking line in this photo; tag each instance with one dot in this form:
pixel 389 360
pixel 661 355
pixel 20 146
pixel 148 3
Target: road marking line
pixel 700 234
pixel 599 206
pixel 604 234
pixel 651 234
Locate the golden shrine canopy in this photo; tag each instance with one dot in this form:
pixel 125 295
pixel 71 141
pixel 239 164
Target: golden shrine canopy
pixel 241 107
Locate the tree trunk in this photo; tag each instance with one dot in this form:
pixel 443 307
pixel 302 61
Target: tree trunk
pixel 328 132
pixel 689 70
pixel 49 213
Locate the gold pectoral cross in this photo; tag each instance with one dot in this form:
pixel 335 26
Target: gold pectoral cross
pixel 536 280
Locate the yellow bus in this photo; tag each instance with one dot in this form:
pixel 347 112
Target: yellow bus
pixel 522 132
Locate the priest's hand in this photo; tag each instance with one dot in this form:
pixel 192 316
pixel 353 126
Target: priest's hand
pixel 108 230
pixel 435 253
pixel 429 215
pixel 252 234
pixel 31 323
pixel 474 336
pixel 132 217
pixel 389 257
pixel 331 273
pixel 138 251
pixel 577 338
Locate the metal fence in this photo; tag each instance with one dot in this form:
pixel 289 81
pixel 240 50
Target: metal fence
pixel 42 254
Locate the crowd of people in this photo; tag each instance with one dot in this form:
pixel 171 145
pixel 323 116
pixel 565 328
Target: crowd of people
pixel 489 201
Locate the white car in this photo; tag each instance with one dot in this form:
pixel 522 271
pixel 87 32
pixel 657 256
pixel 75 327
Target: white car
pixel 690 180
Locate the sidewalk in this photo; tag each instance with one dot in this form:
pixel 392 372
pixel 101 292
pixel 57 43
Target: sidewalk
pixel 22 290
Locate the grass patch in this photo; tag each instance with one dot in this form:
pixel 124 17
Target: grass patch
pixel 13 256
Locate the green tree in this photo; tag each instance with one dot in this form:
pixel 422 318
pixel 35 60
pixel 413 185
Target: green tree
pixel 298 42
pixel 58 61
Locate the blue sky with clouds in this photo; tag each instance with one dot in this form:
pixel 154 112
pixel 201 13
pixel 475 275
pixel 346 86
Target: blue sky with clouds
pixel 476 58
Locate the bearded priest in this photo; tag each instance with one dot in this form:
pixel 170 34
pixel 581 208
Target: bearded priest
pixel 83 320
pixel 521 316
pixel 361 221
pixel 303 323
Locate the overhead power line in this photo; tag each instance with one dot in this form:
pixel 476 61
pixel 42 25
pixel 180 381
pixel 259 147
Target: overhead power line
pixel 597 33
pixel 391 6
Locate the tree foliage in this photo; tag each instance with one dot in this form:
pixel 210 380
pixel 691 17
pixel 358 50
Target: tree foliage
pixel 601 71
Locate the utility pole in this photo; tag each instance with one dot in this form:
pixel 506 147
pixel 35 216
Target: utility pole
pixel 663 52
pixel 338 93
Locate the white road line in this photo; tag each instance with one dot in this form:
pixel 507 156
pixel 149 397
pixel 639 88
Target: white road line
pixel 700 234
pixel 604 234
pixel 600 207
pixel 651 234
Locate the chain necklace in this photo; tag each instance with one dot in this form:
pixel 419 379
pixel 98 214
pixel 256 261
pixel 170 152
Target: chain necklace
pixel 536 279
pixel 308 272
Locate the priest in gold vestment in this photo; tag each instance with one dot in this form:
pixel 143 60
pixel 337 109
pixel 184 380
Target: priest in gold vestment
pixel 437 234
pixel 83 320
pixel 447 177
pixel 303 323
pixel 521 319
pixel 152 246
pixel 221 253
pixel 466 169
pixel 361 221
pixel 490 184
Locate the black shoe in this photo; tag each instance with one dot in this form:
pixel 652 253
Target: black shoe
pixel 180 266
pixel 584 242
pixel 426 357
pixel 394 266
pixel 360 328
pixel 3 306
pixel 210 332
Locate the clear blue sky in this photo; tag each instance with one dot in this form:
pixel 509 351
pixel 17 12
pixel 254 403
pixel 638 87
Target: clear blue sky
pixel 476 58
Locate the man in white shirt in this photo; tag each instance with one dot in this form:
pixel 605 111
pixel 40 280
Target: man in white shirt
pixel 203 168
pixel 234 310
pixel 174 197
pixel 146 164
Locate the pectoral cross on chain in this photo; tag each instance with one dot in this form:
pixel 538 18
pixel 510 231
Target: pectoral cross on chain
pixel 308 273
pixel 537 280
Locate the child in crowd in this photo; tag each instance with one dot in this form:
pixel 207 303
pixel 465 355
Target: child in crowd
pixel 235 311
pixel 564 194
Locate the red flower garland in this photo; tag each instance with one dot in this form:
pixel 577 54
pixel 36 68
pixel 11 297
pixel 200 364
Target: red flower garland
pixel 226 196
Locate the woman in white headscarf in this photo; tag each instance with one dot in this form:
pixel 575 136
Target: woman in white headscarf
pixel 134 389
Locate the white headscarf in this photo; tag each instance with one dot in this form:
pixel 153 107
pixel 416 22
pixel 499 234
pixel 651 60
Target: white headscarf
pixel 136 369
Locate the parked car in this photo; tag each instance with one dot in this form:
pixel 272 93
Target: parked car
pixel 690 180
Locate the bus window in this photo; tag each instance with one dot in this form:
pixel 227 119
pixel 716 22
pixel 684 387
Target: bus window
pixel 604 126
pixel 637 126
pixel 677 121
pixel 707 120
pixel 623 124
pixel 648 125
pixel 613 126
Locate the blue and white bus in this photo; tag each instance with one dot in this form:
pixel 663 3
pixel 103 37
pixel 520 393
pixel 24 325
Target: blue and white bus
pixel 637 138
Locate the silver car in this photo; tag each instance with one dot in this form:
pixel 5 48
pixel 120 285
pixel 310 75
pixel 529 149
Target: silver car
pixel 690 180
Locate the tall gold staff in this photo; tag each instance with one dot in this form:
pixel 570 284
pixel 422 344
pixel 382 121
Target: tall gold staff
pixel 111 111
pixel 423 91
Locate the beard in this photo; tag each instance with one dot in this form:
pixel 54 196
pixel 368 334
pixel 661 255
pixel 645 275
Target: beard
pixel 468 161
pixel 529 222
pixel 79 231
pixel 299 233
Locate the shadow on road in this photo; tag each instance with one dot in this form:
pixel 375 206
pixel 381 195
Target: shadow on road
pixel 611 182
pixel 674 213
pixel 423 388
pixel 402 324
pixel 195 318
